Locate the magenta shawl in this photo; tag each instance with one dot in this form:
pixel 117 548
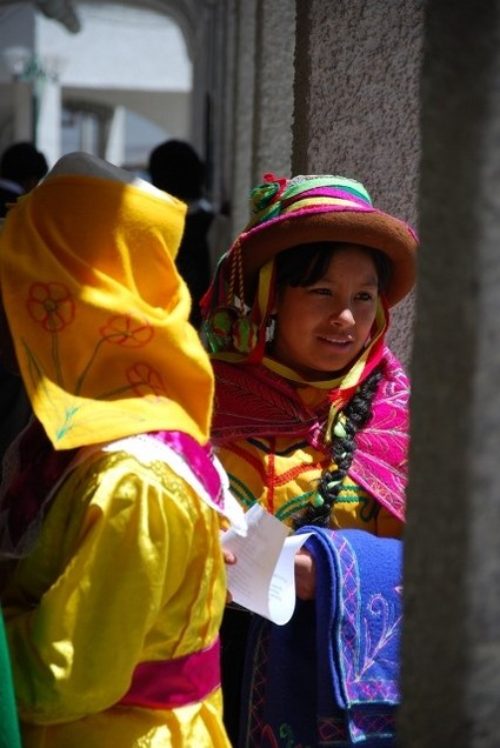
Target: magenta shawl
pixel 251 400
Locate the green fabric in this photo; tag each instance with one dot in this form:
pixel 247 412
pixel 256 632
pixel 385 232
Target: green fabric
pixel 9 726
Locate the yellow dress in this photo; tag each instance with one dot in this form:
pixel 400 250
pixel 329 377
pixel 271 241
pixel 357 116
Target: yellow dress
pixel 282 474
pixel 134 541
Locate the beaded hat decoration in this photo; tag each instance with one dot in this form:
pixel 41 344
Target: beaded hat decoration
pixel 285 213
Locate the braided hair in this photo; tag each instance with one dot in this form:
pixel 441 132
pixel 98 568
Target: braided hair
pixel 357 413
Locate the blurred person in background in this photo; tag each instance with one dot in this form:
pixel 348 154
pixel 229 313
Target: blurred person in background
pixel 22 166
pixel 175 167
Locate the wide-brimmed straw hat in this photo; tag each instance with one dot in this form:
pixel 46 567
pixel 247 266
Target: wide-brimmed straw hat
pixel 323 208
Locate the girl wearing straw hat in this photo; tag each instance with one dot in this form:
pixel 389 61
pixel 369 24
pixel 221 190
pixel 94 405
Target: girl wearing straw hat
pixel 110 503
pixel 311 421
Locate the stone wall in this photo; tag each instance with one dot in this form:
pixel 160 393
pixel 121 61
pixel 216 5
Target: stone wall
pixel 451 649
pixel 357 75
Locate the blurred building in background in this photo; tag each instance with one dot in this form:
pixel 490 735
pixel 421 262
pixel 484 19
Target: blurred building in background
pixel 106 78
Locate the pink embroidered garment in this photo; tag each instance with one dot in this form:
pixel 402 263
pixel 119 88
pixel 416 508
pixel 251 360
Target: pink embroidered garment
pixel 253 401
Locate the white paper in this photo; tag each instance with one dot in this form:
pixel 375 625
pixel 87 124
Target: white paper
pixel 263 577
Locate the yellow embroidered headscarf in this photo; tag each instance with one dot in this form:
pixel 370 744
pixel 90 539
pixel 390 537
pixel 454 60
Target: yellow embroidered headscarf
pixel 97 309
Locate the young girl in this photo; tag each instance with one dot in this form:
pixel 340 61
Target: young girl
pixel 311 421
pixel 115 585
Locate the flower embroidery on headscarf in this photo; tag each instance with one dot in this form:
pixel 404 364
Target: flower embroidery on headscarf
pixel 125 331
pixel 120 330
pixel 51 306
pixel 145 380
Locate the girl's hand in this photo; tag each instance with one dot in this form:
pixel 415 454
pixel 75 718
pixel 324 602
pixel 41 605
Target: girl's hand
pixel 230 559
pixel 305 575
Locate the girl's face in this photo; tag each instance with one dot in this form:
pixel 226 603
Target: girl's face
pixel 322 328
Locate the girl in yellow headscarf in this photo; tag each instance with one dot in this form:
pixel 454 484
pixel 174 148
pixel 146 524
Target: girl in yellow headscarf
pixel 111 501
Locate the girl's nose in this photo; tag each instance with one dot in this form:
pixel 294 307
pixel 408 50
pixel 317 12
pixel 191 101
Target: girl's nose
pixel 343 317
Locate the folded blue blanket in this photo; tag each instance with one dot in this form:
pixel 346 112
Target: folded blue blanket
pixel 330 676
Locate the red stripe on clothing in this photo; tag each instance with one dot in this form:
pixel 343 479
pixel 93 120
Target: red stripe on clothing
pixel 271 476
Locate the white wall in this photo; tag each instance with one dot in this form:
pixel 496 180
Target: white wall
pixel 17 28
pixel 118 47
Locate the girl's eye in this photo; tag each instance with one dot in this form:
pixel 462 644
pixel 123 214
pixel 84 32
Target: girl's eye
pixel 319 291
pixel 365 296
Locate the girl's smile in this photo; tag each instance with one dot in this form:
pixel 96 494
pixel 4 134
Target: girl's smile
pixel 322 328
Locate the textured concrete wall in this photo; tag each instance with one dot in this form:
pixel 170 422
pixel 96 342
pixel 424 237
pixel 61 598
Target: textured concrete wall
pixel 225 50
pixel 246 25
pixel 213 93
pixel 274 88
pixel 200 44
pixel 216 84
pixel 451 648
pixel 357 105
pixel 263 97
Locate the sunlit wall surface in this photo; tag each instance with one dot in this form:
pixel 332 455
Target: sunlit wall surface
pixel 116 88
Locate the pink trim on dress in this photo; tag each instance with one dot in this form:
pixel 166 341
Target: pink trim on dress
pixel 168 684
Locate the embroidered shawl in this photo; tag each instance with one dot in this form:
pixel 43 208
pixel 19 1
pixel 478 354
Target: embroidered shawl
pixel 340 685
pixel 253 401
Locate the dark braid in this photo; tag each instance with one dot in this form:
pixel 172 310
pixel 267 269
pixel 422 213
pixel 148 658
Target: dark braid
pixel 357 413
